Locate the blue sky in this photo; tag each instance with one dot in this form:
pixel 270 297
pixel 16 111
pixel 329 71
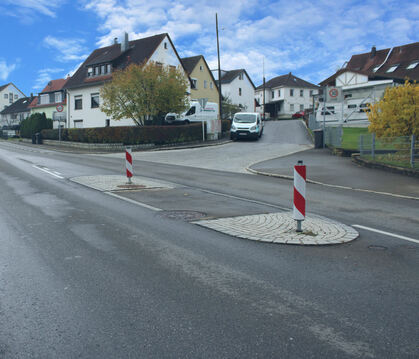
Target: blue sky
pixel 48 39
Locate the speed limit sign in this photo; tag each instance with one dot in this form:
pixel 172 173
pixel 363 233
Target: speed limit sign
pixel 334 94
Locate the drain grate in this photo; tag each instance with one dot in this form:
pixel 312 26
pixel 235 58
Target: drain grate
pixel 183 215
pixel 131 186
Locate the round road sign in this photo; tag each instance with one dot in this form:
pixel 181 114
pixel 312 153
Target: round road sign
pixel 333 93
pixel 60 108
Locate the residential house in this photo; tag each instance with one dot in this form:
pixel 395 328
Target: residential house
pixel 285 95
pixel 203 84
pixel 52 101
pixel 363 80
pixel 83 88
pixel 14 114
pixel 237 86
pixel 9 93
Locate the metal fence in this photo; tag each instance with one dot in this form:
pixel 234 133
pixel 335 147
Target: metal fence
pixel 399 151
pixel 333 136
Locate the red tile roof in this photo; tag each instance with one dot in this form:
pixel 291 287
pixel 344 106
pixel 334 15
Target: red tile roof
pixel 55 85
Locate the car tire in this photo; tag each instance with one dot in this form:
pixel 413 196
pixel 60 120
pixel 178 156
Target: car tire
pixel 186 122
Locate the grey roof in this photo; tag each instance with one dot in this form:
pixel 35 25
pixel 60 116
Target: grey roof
pixel 138 52
pixel 189 63
pixel 229 76
pixel 20 105
pixel 4 86
pixel 288 80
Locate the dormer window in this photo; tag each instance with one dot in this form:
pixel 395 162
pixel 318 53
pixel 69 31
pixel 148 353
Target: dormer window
pixel 412 65
pixel 89 71
pixel 375 69
pixel 165 45
pixel 392 68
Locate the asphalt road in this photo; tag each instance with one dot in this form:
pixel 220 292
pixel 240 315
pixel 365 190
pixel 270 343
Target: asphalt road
pixel 83 274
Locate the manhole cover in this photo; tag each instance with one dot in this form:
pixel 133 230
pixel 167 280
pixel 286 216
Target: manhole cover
pixel 183 215
pixel 131 186
pixel 380 248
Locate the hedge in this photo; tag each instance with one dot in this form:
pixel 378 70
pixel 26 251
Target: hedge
pixel 129 135
pixel 33 124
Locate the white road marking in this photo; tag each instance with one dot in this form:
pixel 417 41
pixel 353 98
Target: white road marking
pixel 52 173
pixel 133 202
pixel 386 233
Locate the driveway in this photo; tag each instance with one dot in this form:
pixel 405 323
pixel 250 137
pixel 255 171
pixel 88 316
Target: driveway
pixel 280 138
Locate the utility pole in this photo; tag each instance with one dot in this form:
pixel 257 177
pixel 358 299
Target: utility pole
pixel 220 97
pixel 263 67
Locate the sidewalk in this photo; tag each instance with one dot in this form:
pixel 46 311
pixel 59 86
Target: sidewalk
pixel 324 168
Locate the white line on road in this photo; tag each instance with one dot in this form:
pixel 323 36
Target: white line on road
pixel 386 233
pixel 52 173
pixel 133 202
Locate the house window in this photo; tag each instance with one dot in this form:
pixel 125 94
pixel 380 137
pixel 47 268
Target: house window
pixel 194 83
pixel 273 94
pixel 108 68
pixel 165 45
pixel 103 69
pixel 44 99
pixel 10 97
pixel 291 92
pixel 97 70
pixel 211 85
pixel 78 123
pixel 159 64
pixel 412 65
pixel 78 103
pixel 94 100
pixel 348 95
pixel 279 93
pixel 107 123
pixel 16 96
pixel 364 107
pixel 14 116
pixel 301 107
pixel 240 91
pixel 311 93
pixel 90 72
pixel 6 96
pixel 58 97
pixel 352 106
pixel 241 76
pixel 392 68
pixel 201 68
pixel 205 84
pixel 301 93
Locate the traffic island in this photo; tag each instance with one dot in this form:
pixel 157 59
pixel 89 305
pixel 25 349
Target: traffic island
pixel 281 228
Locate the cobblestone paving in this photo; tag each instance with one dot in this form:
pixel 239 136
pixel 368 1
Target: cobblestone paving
pixel 281 228
pixel 118 183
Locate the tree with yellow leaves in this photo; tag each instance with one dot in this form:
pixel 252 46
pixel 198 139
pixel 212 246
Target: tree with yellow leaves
pixel 397 113
pixel 141 92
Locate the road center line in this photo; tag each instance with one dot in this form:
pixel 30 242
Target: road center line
pixel 132 201
pixel 386 233
pixel 52 173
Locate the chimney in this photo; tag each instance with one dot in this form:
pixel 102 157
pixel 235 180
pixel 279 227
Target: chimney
pixel 125 43
pixel 115 40
pixel 373 51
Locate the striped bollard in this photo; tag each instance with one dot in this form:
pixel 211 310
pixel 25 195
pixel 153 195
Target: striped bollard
pixel 299 209
pixel 128 163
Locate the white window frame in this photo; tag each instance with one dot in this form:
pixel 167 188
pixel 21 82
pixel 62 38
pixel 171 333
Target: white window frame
pixel 392 68
pixel 412 65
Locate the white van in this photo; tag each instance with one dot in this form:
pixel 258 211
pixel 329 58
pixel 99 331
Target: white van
pixel 195 113
pixel 246 124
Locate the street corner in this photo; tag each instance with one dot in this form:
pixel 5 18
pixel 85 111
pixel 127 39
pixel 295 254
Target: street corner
pixel 115 183
pixel 281 228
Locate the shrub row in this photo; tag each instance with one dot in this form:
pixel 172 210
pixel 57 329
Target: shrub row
pixel 33 124
pixel 129 135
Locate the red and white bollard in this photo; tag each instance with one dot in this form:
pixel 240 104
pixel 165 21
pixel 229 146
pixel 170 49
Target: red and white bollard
pixel 299 208
pixel 128 163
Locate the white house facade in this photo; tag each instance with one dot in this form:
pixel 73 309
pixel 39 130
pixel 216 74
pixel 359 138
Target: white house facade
pixel 284 96
pixel 9 93
pixel 83 88
pixel 237 86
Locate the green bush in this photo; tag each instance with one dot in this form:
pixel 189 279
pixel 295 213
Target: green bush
pixel 129 135
pixel 34 123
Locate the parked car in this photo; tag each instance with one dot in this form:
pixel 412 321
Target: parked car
pixel 246 124
pixel 299 114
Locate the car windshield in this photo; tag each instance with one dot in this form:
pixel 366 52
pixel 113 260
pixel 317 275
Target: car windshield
pixel 244 118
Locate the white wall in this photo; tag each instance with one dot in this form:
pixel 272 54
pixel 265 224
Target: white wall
pixel 351 78
pixel 247 97
pixel 4 102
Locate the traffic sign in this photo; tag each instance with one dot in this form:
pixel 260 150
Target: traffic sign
pixel 60 108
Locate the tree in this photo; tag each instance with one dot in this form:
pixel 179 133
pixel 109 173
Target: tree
pixel 229 109
pixel 34 123
pixel 141 92
pixel 397 113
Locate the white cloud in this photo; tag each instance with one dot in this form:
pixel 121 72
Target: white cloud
pixel 25 9
pixel 44 76
pixel 6 69
pixel 311 39
pixel 68 49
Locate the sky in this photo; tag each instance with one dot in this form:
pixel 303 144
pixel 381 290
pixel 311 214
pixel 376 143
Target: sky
pixel 49 39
